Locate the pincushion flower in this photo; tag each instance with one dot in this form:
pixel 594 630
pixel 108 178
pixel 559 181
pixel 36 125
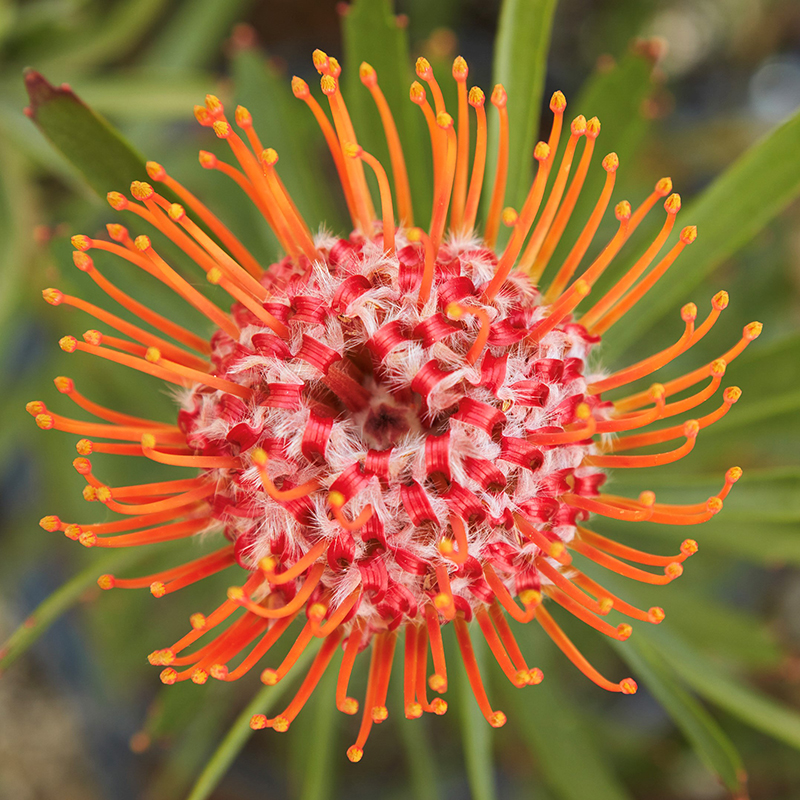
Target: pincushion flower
pixel 397 430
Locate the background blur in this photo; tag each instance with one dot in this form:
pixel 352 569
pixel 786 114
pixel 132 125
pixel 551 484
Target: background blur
pixel 82 715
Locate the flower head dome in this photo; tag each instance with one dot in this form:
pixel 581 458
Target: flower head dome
pixel 397 430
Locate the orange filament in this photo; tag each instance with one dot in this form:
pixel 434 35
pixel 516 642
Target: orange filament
pixel 159 489
pixel 671 571
pixel 216 277
pixel 200 462
pixel 562 307
pixel 626 686
pixel 654 615
pixel 135 332
pixel 227 644
pixel 379 711
pixel 210 161
pixel 337 501
pixel 187 291
pixel 633 421
pixel 166 370
pixel 689 429
pixel 259 458
pixel 730 396
pixel 618 290
pixel 417 235
pixel 258 652
pixel 458 553
pixel 577 130
pixel 688 548
pixel 565 211
pixel 237 594
pixel 517 677
pixel 688 235
pixel 441 201
pixel 355 170
pixel 138 309
pixel 164 533
pixel 499 100
pixel 584 430
pixel 437 706
pixel 47 421
pixel 620 633
pixel 335 620
pixel 510 644
pixel 404 208
pixel 300 90
pixel 413 709
pixel 356 751
pixel 719 302
pixel 530 598
pixel 282 722
pixel 272 676
pixel 751 332
pixel 495 718
pixel 566 586
pixel 529 209
pixel 296 223
pixel 67 387
pixel 345 704
pixel 552 549
pixel 418 96
pixel 158 173
pixel 193 572
pixel 460 74
pixel 443 601
pixel 597 505
pixel 456 311
pixel 179 501
pixel 387 210
pixel 653 363
pixel 86 447
pixel 269 563
pixel 437 681
pixel 425 73
pixel 567 269
pixel 219 557
pixel 119 525
pixel 476 100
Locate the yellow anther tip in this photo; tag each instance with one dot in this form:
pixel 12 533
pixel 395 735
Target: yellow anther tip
pixel 168 676
pixel 733 474
pixel 732 394
pixel 509 217
pixel 578 126
pixel 222 129
pixel 117 201
pixel 81 242
pixel 437 683
pixel 235 593
pixel 454 311
pixel 258 722
pixel 417 93
pixel 691 429
pixel 155 171
pixel 50 523
pixel 720 300
pixel 258 457
pixel 269 677
pixel 35 407
pixel 605 604
pixel 207 160
pixel 718 367
pixel 355 754
pixel 753 330
pixel 148 441
pixel 535 676
pixel 176 212
pixel 476 97
pixel 142 242
pixel 82 465
pixel 460 69
pixel 542 151
pixel 214 105
pixel 349 706
pixel 622 210
pixel 93 337
pixel 328 84
pixel 300 88
pixel 158 589
pixel 664 186
pixel 199 676
pixel 379 714
pixel 673 570
pixel 593 128
pixel 499 96
pixel 336 499
pixel 628 686
pixel 656 615
pixel 439 706
pixel 689 234
pixel 317 611
pixel 530 597
pixel 320 59
pixel 689 312
pixel 611 162
pixel 558 102
pixel 444 120
pixel 367 74
pixel 413 711
pixel 423 68
pixel 244 119
pixel 69 344
pixel 88 539
pixel 672 205
pixel 624 631
pixel 64 385
pixel 352 150
pixel 269 156
pixel 141 190
pixel 53 296
pixel 106 582
pixel 498 719
pixel 280 724
pixel 197 621
pixel 689 547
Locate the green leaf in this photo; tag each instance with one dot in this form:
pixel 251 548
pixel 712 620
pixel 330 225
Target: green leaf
pixel 317 783
pixel 87 141
pixel 422 769
pixel 728 214
pixel 556 733
pixel 475 731
pixel 701 673
pixel 520 64
pixel 62 600
pixel 701 730
pixel 371 33
pixel 238 734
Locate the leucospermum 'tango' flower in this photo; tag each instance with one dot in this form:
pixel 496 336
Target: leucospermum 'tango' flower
pixel 394 431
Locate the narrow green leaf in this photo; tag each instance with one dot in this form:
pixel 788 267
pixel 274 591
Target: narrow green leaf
pixel 555 731
pixel 87 141
pixel 318 784
pixel 475 731
pixel 728 214
pixel 520 64
pixel 238 734
pixel 701 673
pixel 423 774
pixel 62 600
pixel 701 730
pixel 371 33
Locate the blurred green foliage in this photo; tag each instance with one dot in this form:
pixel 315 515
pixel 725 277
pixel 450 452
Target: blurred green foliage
pixel 727 653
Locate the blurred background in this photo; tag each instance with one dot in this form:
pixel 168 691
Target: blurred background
pixel 688 86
